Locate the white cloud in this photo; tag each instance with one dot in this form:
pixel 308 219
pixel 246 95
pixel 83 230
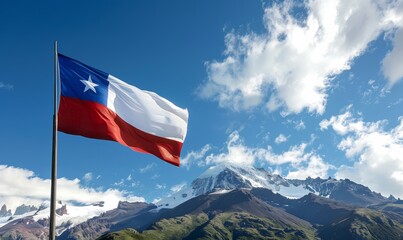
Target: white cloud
pixel 237 153
pixel 371 90
pixel 147 168
pixel 299 125
pixel 378 153
pixel 160 186
pixel 18 186
pixel 300 162
pixel 295 155
pixel 292 64
pixel 195 156
pixel 392 64
pixel 119 183
pixel 280 139
pixel 129 178
pixel 316 167
pixel 345 123
pixel 337 123
pixel 87 177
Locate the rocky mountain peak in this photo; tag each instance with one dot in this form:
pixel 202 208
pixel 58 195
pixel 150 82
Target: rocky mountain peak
pixel 62 211
pixel 235 177
pixel 228 177
pixel 392 198
pixel 4 212
pixel 24 209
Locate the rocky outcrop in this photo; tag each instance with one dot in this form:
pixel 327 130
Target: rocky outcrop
pixel 24 209
pixel 4 212
pixel 62 211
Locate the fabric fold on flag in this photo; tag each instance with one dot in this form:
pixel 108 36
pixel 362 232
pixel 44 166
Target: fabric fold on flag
pixel 98 105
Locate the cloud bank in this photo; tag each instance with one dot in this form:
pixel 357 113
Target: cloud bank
pixel 378 153
pixel 300 162
pixel 21 186
pixel 292 64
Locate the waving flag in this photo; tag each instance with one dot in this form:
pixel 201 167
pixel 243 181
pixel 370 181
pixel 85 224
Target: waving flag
pixel 97 105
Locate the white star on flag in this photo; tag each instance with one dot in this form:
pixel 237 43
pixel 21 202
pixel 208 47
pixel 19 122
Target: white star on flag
pixel 89 84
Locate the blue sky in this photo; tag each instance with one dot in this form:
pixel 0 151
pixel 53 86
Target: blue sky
pixel 301 89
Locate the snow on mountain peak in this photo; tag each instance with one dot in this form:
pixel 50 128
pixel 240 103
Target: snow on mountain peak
pixel 227 177
pixel 68 214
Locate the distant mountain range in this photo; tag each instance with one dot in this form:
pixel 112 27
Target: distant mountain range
pixel 261 214
pixel 225 177
pixel 20 210
pixel 228 202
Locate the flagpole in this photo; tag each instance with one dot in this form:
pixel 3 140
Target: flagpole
pixel 52 222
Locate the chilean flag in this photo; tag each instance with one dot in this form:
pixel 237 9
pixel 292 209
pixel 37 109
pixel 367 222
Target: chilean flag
pixel 98 105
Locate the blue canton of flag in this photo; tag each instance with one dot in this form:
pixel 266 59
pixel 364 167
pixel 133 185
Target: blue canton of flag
pixel 82 82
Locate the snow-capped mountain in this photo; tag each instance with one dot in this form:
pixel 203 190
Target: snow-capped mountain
pixel 30 221
pixel 342 190
pixel 217 180
pixel 226 177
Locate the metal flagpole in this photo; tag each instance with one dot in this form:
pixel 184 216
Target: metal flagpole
pixel 52 223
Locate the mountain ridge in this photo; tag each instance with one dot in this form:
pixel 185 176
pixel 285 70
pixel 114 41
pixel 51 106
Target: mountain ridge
pixel 261 214
pixel 225 177
pixel 304 201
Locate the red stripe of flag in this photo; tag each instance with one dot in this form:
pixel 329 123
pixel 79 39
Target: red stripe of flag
pixel 94 120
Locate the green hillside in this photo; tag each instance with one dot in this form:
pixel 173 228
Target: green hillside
pixel 364 224
pixel 229 225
